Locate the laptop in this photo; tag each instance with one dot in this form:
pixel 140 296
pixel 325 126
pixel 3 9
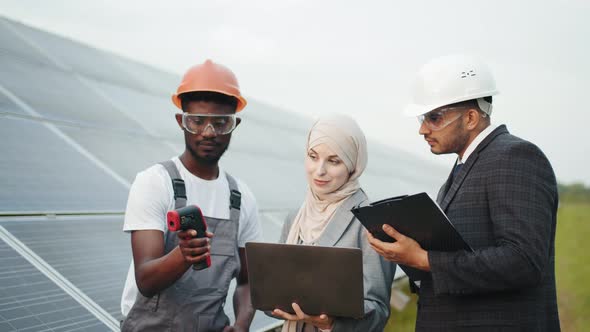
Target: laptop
pixel 321 280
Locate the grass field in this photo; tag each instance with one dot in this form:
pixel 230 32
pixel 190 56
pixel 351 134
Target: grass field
pixel 572 267
pixel 572 251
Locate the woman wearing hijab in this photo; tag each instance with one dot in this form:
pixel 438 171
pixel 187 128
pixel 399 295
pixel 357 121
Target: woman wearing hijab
pixel 336 156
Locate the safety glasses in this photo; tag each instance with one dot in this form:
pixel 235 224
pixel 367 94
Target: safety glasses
pixel 440 118
pixel 198 123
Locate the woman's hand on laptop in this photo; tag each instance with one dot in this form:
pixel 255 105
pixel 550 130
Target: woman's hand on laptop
pixel 323 321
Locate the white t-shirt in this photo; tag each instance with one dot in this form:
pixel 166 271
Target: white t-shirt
pixel 151 196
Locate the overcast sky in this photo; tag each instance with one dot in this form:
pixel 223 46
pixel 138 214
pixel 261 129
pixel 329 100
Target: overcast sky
pixel 360 58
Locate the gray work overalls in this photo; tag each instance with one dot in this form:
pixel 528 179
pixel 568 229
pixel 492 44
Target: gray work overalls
pixel 195 301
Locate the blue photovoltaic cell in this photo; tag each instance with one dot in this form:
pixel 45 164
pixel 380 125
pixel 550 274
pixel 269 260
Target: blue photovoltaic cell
pixel 124 154
pixel 93 253
pixel 29 301
pixel 60 96
pixel 40 172
pixel 154 113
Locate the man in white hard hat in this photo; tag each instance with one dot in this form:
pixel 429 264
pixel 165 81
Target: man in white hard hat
pixel 502 198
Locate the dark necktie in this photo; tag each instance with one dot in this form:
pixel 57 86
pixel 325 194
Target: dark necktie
pixel 449 183
pixel 456 170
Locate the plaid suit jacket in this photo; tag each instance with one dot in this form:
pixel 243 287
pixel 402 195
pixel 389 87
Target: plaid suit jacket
pixel 503 201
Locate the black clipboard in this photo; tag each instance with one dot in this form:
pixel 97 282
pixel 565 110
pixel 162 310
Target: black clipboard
pixel 416 216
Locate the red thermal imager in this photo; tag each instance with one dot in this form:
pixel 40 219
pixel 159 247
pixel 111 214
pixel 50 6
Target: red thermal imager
pixel 189 217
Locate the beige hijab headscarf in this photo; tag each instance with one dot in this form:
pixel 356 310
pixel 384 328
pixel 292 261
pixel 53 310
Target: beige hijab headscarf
pixel 343 136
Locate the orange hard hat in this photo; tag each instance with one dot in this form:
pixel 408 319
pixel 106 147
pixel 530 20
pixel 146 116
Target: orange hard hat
pixel 210 76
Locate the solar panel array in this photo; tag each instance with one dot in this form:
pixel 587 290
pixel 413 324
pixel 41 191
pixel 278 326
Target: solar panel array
pixel 77 124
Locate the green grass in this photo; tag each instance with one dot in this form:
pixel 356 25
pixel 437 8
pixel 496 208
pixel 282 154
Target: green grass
pixel 572 268
pixel 405 320
pixel 572 256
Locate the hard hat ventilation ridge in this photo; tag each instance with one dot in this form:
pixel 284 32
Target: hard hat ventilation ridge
pixel 466 74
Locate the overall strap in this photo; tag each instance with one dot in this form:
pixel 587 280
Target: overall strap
pixel 235 199
pixel 177 184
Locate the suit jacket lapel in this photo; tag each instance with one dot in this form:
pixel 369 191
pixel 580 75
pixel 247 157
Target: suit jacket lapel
pixel 458 180
pixel 445 188
pixel 462 174
pixel 340 220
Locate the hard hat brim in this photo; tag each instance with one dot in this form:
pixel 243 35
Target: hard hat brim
pixel 241 100
pixel 412 110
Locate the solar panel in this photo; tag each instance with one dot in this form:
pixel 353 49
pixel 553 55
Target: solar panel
pixel 276 183
pixel 133 153
pixel 82 59
pixel 154 114
pixel 272 224
pixel 40 171
pixel 7 106
pixel 157 82
pixel 91 252
pixel 12 45
pixel 29 301
pixel 273 117
pixel 58 95
pixel 271 140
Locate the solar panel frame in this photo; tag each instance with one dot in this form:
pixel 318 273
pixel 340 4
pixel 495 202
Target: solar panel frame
pixel 29 301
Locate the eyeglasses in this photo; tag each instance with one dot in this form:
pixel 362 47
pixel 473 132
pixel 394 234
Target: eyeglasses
pixel 198 123
pixel 440 118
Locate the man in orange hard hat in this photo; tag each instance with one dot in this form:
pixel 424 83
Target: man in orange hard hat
pixel 162 291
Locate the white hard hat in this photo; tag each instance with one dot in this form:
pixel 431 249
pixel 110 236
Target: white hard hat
pixel 448 80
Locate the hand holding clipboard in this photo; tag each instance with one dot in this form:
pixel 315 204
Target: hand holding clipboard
pixel 417 217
